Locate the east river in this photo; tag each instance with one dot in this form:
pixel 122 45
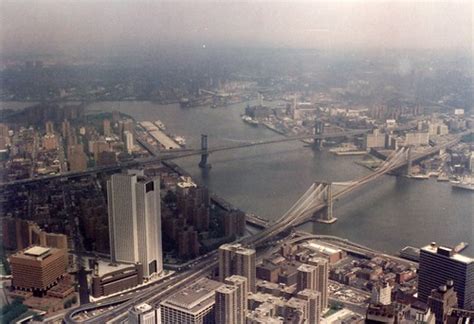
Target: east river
pixel 386 214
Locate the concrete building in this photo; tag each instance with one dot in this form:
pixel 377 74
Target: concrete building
pixel 106 281
pixel 376 139
pixel 135 220
pixel 234 259
pixel 313 298
pixel 106 127
pixel 417 138
pixel 242 291
pixel 306 277
pixel 322 279
pixel 144 314
pixel 192 305
pixel 129 142
pixel 37 269
pixel 226 305
pixel 77 158
pixel 442 300
pixel 438 264
pixel 382 294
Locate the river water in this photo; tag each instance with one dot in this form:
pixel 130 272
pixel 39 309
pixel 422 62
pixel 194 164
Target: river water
pixel 386 214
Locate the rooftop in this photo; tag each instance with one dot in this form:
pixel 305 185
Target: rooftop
pixel 36 251
pixel 193 298
pixel 447 252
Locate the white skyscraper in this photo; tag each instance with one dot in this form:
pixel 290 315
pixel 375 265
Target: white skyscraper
pixel 135 220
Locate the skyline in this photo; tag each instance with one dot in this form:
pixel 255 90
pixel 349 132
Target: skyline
pixel 64 27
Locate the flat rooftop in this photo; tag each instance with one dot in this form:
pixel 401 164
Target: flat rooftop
pixel 194 297
pixel 36 251
pixel 433 248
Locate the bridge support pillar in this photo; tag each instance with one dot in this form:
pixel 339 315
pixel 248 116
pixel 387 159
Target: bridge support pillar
pixel 409 162
pixel 326 215
pixel 203 163
pixel 318 130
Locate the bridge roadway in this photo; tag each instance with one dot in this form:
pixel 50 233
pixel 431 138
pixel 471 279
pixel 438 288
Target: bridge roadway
pixel 300 212
pixel 166 156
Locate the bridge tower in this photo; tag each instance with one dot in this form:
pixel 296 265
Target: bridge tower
pixel 318 130
pixel 204 148
pixel 326 215
pixel 409 161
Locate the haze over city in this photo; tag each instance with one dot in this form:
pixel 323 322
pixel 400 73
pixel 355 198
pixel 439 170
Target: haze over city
pixel 111 27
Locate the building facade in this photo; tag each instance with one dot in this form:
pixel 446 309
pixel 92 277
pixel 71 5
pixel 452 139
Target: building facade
pixel 135 221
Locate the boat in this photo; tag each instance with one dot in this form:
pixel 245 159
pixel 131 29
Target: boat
pixel 419 176
pixel 160 125
pixel 180 140
pixel 465 183
pixel 250 121
pixel 462 185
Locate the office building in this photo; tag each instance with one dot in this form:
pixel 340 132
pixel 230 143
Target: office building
pixel 110 281
pixel 135 220
pixel 144 314
pixel 37 268
pixel 442 300
pixel 242 295
pixel 438 264
pixel 234 259
pixel 193 304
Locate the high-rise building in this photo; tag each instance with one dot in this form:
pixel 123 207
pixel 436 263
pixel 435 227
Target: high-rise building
pixel 313 299
pixel 128 137
pixel 242 292
pixel 234 259
pixel 193 304
pixel 135 220
pixel 77 158
pixel 307 275
pixel 442 300
pixel 322 279
pixel 49 126
pixel 38 268
pixel 438 264
pixel 144 314
pixel 226 305
pixel 106 127
pixel 382 294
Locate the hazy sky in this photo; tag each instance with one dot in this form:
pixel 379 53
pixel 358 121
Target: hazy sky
pixel 67 26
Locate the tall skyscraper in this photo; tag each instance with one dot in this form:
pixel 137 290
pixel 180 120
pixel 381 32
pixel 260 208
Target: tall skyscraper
pixel 306 278
pixel 242 292
pixel 322 279
pixel 234 259
pixel 135 220
pixel 438 264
